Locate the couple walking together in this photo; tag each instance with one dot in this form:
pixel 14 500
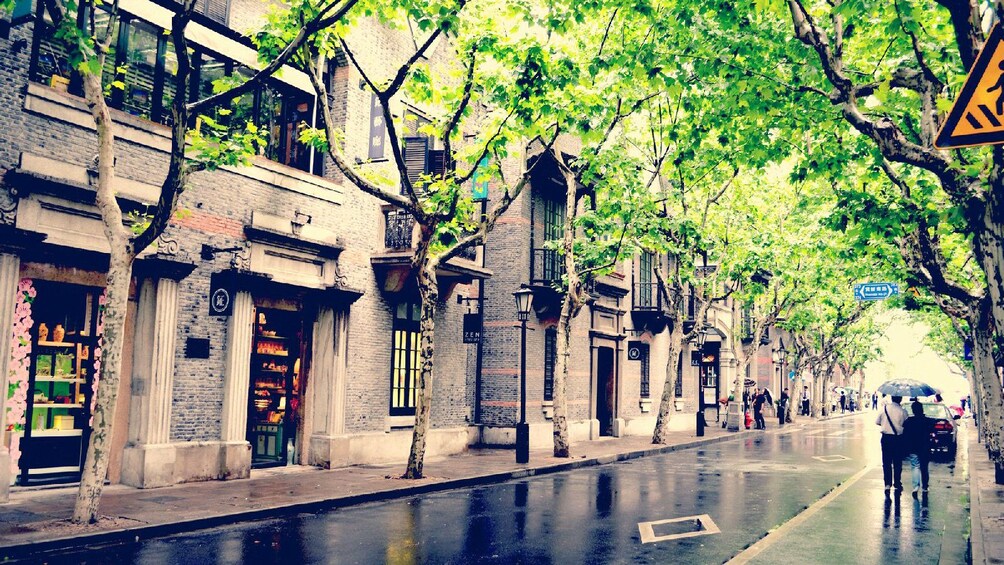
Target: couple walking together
pixel 907 437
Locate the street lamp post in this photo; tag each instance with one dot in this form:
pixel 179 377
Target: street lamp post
pixel 524 299
pixel 778 358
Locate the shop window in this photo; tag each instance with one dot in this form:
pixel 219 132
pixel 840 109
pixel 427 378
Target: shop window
pixel 404 363
pixel 143 64
pixel 550 362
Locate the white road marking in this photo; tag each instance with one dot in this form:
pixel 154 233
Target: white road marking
pixel 771 538
pixel 705 522
pixel 831 458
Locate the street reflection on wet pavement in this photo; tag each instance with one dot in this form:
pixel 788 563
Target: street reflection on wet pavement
pixel 747 488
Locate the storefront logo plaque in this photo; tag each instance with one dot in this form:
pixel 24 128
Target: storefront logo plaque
pixel 221 294
pixel 472 327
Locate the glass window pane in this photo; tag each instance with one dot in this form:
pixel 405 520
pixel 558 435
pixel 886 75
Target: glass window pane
pixel 210 70
pixel 141 61
pixel 170 85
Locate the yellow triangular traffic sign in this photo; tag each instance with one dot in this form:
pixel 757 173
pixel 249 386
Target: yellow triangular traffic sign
pixel 977 117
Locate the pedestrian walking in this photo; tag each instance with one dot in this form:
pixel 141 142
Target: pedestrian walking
pixel 805 400
pixel 782 407
pixel 891 420
pixel 758 399
pixel 963 402
pixel 843 402
pixel 917 432
pixel 874 401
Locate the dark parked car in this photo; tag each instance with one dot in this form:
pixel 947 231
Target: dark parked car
pixel 943 440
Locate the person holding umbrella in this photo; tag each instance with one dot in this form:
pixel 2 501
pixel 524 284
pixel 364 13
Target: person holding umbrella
pixel 891 419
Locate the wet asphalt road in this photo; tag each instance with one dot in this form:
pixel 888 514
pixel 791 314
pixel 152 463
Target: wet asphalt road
pixel 747 488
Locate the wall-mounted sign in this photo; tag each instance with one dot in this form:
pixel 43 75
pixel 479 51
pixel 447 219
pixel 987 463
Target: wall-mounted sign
pixel 222 289
pixel 472 327
pixel 197 348
pixel 636 350
pixel 479 181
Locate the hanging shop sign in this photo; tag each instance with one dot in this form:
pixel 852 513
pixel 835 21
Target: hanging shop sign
pixel 472 327
pixel 222 289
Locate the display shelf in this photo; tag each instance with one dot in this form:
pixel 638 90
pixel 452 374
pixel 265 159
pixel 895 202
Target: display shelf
pixel 272 337
pixel 55 405
pixel 271 373
pixel 59 380
pixel 277 354
pixel 56 433
pixel 56 344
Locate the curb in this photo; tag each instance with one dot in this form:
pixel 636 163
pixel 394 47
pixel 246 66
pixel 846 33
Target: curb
pixel 977 553
pixel 32 549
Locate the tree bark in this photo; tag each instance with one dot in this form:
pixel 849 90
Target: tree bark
pixel 428 290
pixel 116 303
pixel 661 433
pixel 571 303
pixel 991 407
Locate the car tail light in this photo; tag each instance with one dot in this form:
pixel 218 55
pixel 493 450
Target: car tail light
pixel 942 425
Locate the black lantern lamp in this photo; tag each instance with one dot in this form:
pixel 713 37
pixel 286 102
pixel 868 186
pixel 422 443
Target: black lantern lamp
pixel 524 300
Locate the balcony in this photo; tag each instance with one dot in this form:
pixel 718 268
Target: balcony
pixel 546 267
pixel 393 266
pixel 645 296
pixel 398 229
pixel 648 309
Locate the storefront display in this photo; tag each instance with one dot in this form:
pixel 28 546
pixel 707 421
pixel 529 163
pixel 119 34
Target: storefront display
pixel 61 368
pixel 274 397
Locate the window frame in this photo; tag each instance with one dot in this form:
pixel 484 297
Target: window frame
pixel 409 327
pixel 550 362
pixel 159 110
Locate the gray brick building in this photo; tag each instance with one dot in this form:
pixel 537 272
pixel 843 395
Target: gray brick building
pixel 315 362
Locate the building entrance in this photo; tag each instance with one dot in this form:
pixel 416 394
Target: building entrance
pixel 275 396
pixel 605 390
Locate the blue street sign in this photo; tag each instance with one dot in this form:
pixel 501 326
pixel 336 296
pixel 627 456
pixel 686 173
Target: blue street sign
pixel 875 291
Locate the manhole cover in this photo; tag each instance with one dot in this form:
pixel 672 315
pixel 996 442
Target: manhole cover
pixel 677 528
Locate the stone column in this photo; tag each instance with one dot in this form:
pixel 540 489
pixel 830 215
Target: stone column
pixel 328 445
pixel 149 458
pixel 10 266
pixel 236 455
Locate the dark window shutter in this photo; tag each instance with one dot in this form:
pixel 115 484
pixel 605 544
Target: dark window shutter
pixel 217 10
pixel 437 162
pixel 416 151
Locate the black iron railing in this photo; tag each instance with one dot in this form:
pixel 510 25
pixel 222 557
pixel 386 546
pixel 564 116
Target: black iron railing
pixel 398 226
pixel 688 306
pixel 646 296
pixel 546 266
pixel 470 253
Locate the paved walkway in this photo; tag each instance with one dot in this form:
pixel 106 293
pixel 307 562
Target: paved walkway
pixel 986 507
pixel 35 520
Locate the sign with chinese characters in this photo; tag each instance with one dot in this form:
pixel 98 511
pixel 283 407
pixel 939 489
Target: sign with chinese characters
pixel 875 291
pixel 222 289
pixel 378 129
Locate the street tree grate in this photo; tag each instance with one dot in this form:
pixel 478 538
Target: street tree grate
pixel 831 458
pixel 677 528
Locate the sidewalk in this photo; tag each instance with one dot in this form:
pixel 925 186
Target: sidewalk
pixel 986 510
pixel 36 520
